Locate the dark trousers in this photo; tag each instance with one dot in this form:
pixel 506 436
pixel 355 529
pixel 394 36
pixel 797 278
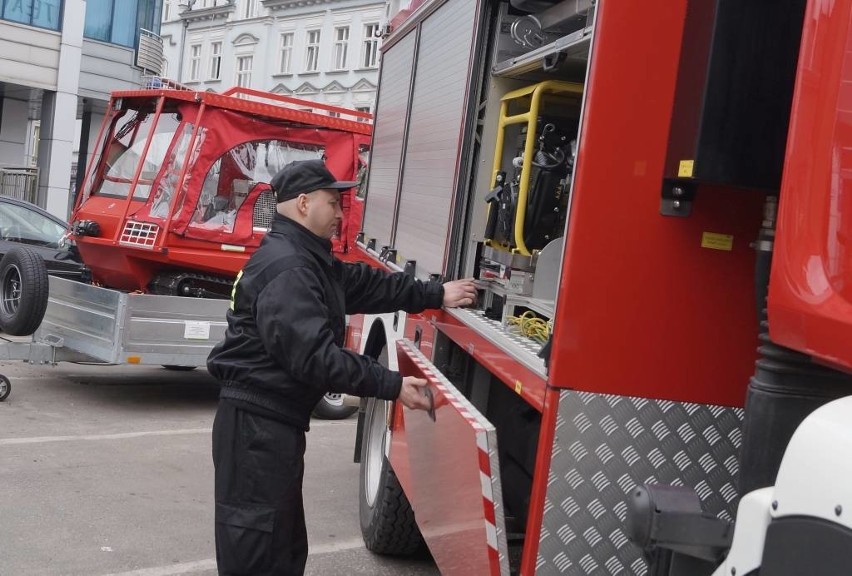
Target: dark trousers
pixel 260 518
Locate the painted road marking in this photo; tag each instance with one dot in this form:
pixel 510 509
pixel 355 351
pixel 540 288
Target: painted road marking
pixel 126 435
pixel 210 564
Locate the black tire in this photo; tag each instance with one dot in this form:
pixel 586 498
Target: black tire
pixel 5 387
pixel 178 368
pixel 23 291
pixel 387 520
pixel 331 407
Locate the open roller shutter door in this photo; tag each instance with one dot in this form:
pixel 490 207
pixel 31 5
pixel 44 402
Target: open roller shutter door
pixel 388 133
pixel 438 102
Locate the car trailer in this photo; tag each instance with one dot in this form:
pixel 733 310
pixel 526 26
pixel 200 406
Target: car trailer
pixel 73 321
pixel 87 323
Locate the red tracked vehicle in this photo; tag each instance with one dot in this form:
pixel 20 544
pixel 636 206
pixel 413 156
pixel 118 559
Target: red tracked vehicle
pixel 176 196
pixel 175 200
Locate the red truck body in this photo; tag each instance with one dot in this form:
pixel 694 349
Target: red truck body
pixel 694 121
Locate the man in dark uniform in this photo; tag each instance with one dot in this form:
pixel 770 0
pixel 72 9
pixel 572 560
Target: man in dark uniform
pixel 283 350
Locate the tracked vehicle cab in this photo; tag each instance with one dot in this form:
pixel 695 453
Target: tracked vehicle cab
pixel 177 195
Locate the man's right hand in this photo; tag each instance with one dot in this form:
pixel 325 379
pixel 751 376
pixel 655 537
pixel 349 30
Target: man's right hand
pixel 412 393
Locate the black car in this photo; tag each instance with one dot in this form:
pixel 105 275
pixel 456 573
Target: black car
pixel 27 224
pixel 33 245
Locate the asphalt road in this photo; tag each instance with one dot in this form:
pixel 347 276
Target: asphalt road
pixel 106 470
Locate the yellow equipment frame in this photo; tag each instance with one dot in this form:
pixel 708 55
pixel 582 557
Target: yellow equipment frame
pixel 535 93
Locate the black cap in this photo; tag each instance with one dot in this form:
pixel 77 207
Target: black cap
pixel 303 176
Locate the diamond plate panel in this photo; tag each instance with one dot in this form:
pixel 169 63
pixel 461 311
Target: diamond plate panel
pixel 606 445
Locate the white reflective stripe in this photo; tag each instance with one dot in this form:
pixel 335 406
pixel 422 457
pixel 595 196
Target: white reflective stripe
pixel 485 481
pixel 482 442
pixel 491 535
pixel 232 248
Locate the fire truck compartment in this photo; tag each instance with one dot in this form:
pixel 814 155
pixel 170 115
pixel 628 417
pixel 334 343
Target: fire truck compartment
pixel 439 144
pixel 105 325
pixel 423 115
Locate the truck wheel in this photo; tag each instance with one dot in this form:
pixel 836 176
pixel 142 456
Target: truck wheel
pixel 5 387
pixel 331 407
pixel 387 520
pixel 23 291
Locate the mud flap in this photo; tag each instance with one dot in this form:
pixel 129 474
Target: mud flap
pixel 454 475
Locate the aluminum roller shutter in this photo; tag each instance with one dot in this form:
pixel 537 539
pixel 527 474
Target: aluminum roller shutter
pixel 388 133
pixel 435 134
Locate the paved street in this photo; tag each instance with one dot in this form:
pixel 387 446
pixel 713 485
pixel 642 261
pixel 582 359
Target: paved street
pixel 106 470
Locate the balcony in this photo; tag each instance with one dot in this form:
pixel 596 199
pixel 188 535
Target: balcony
pixel 149 55
pixel 219 10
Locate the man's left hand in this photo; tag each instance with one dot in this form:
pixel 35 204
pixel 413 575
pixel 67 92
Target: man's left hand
pixel 459 293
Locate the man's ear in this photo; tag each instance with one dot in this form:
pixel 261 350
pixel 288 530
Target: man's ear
pixel 302 203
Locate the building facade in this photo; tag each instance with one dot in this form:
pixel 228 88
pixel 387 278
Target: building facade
pixel 319 50
pixel 59 60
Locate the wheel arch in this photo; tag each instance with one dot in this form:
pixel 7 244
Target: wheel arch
pixel 381 330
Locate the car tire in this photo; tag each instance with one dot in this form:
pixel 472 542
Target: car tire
pixel 387 520
pixel 5 387
pixel 331 407
pixel 24 290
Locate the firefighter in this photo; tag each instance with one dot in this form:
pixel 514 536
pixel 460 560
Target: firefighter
pixel 282 351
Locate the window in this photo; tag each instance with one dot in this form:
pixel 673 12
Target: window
pixel 21 224
pixel 124 150
pixel 41 13
pixel 232 178
pixel 249 8
pixel 194 61
pixel 341 44
pixel 114 22
pixel 362 109
pixel 334 114
pixel 312 51
pixel 34 134
pixel 370 47
pixel 244 65
pixel 215 60
pixel 284 65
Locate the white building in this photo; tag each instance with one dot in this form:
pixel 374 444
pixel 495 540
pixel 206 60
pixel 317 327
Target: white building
pixel 320 50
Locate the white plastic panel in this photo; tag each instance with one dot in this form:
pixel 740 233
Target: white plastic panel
pixel 437 112
pixel 388 133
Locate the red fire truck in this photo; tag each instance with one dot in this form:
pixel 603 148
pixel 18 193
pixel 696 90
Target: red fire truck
pixel 627 181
